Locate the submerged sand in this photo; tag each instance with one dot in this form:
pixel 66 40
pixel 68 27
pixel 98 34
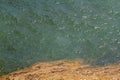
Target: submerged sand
pixel 65 70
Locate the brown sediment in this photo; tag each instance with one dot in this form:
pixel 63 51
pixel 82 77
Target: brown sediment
pixel 65 70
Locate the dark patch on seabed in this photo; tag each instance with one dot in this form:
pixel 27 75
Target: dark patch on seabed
pixel 45 30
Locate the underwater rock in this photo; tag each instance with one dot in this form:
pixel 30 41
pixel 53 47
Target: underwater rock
pixel 65 70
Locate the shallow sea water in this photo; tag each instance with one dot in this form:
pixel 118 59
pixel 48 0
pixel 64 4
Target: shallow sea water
pixel 46 30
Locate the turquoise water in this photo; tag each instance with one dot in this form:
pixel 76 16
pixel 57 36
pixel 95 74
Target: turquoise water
pixel 45 30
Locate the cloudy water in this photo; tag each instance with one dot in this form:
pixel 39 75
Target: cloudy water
pixel 45 30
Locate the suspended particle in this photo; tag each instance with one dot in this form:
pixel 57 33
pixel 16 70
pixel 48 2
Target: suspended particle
pixel 113 48
pixel 96 27
pixel 75 14
pixel 110 18
pixel 23 9
pixel 101 39
pixel 116 12
pixel 110 32
pixel 118 42
pixel 111 11
pixel 94 18
pixel 115 39
pixel 117 31
pixel 90 11
pixel 101 46
pixel 105 23
pixel 26 38
pixel 57 3
pixel 61 28
pixel 84 17
pixel 113 26
pixel 9 33
pixel 34 21
pixel 76 22
pixel 67 35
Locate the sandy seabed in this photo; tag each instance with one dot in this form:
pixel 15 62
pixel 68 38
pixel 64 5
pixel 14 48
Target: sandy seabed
pixel 65 70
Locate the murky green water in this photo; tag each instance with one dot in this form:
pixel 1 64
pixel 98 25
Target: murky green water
pixel 46 30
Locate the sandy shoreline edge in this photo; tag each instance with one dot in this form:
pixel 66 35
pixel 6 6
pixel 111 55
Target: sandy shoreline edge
pixel 65 70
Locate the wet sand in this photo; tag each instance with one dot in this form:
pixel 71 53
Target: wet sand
pixel 65 70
